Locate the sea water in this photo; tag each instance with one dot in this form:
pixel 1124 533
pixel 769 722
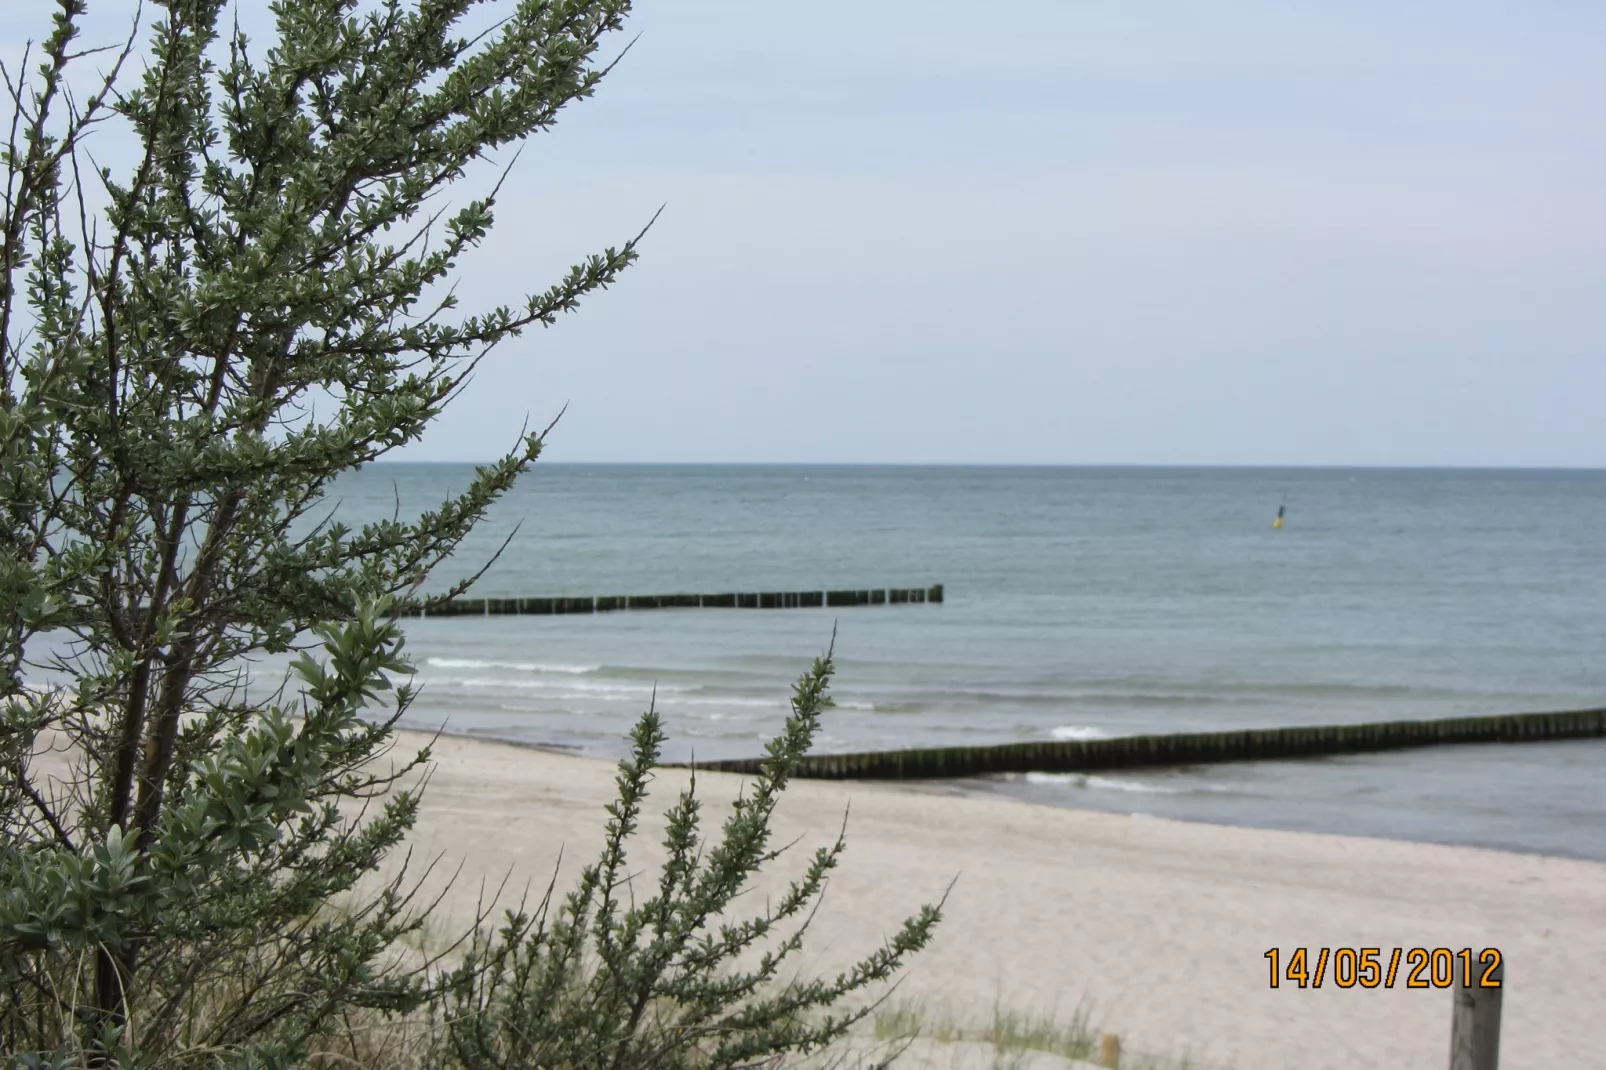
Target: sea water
pixel 1080 603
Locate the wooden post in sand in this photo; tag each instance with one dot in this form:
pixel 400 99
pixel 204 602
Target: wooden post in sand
pixel 1475 1025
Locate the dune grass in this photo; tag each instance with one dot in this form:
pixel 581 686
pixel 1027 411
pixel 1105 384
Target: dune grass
pixel 1013 1034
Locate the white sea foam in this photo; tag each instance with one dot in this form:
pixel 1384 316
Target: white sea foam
pixel 517 666
pixel 745 703
pixel 1118 784
pixel 556 688
pixel 1141 787
pixel 1107 783
pixel 883 707
pixel 1075 732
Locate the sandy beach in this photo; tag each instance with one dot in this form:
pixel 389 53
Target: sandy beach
pixel 1159 927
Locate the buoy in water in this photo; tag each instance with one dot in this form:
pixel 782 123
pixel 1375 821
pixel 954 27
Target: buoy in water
pixel 1277 525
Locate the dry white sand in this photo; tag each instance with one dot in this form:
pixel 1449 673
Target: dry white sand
pixel 1161 927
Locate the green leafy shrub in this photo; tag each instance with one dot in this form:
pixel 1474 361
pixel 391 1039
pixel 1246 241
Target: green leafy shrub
pixel 661 983
pixel 192 350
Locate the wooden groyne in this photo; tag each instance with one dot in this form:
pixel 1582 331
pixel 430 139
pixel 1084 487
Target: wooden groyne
pixel 1197 748
pixel 481 607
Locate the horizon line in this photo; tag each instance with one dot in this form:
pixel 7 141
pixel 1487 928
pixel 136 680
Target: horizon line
pixel 1035 464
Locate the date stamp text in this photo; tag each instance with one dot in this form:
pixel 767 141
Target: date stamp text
pixel 1372 967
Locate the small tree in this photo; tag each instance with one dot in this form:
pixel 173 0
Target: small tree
pixel 273 245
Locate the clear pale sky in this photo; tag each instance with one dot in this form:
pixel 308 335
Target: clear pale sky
pixel 1065 232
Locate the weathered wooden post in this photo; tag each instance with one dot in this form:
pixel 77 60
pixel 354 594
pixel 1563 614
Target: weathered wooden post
pixel 1475 1023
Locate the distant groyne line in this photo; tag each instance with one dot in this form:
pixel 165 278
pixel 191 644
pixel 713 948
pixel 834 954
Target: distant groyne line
pixel 482 607
pixel 1196 748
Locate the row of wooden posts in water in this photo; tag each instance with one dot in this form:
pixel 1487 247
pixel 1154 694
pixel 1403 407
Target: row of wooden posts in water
pixel 1194 748
pixel 1476 1011
pixel 885 596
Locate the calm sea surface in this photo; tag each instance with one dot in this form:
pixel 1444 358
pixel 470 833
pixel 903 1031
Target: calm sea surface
pixel 1081 603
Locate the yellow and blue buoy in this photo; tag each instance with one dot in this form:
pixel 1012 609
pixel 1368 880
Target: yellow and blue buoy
pixel 1277 525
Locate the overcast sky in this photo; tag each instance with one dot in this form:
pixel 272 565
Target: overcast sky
pixel 1061 232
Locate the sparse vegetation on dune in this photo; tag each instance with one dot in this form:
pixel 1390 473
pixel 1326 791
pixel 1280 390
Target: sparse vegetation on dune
pixel 1008 1038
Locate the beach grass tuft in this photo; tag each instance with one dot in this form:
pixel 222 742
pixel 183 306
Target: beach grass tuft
pixel 1013 1034
pixel 1072 1037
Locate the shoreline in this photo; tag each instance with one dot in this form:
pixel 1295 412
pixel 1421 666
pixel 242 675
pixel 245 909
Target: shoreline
pixel 990 787
pixel 988 792
pixel 1158 926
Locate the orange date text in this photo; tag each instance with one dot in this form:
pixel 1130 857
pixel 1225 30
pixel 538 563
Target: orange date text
pixel 1375 967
